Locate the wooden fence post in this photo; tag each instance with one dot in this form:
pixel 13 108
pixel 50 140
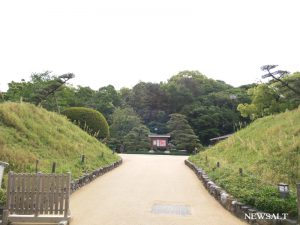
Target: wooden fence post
pixel 38 194
pixel 68 189
pixel 82 159
pixel 2 168
pixel 53 167
pixel 241 171
pixel 36 166
pixel 8 197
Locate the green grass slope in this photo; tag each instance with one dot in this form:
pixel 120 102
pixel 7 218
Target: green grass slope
pixel 28 133
pixel 268 151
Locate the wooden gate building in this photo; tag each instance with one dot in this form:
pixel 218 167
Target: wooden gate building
pixel 159 141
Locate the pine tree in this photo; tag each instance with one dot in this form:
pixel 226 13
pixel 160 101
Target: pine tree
pixel 137 139
pixel 182 134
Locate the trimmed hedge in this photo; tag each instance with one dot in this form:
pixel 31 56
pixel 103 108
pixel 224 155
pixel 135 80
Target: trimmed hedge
pixel 89 120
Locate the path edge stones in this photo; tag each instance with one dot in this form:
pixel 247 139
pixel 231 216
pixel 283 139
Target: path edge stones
pixel 89 177
pixel 230 203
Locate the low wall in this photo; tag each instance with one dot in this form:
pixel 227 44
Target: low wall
pixel 87 178
pixel 228 202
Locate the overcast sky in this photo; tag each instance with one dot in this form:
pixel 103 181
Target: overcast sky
pixel 122 42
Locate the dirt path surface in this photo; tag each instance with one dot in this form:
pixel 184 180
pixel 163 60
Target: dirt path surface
pixel 148 190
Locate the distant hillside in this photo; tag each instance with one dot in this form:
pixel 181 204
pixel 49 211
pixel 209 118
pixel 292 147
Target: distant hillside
pixel 268 151
pixel 28 133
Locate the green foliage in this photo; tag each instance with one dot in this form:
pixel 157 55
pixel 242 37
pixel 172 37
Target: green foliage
pixel 149 100
pixel 279 77
pixel 253 191
pixel 28 133
pixel 51 87
pixel 89 120
pixel 211 121
pixel 264 102
pixel 105 100
pixel 268 150
pixel 188 86
pixel 52 94
pixel 209 105
pixel 2 97
pixel 41 89
pixel 123 121
pixel 291 98
pixel 200 99
pixel 183 136
pixel 271 98
pixel 124 94
pixel 137 139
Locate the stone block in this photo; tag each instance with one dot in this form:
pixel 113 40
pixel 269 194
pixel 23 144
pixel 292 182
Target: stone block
pixel 223 198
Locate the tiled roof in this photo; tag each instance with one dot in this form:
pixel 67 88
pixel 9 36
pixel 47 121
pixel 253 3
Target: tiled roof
pixel 159 135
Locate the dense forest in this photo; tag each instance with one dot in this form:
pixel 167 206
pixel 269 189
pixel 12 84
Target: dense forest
pixel 206 108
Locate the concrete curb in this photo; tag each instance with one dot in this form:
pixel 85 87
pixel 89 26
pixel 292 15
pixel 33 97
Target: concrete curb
pixel 230 203
pixel 87 178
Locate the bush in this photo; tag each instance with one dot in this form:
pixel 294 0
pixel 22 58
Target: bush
pixel 89 120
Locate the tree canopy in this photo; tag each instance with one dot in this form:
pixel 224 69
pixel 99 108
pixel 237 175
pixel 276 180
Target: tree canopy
pixel 272 97
pixel 137 139
pixel 182 134
pixel 211 107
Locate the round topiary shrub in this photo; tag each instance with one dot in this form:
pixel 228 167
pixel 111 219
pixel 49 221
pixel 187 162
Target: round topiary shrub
pixel 89 120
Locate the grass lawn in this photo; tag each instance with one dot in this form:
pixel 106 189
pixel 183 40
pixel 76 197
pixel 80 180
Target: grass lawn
pixel 268 151
pixel 29 133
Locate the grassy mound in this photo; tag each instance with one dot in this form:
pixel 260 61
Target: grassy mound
pixel 29 133
pixel 268 151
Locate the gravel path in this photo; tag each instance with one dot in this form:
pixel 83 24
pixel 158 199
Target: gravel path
pixel 148 190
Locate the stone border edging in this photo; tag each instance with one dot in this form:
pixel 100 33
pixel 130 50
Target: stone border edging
pixel 87 178
pixel 230 203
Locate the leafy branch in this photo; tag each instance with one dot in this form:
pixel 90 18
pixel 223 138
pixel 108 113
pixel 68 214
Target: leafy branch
pixel 278 76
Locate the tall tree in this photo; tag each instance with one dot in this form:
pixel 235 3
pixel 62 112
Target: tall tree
pixel 137 139
pixel 41 89
pixel 189 86
pixel 123 121
pixel 211 121
pixel 51 86
pixel 150 102
pixel 84 97
pixel 272 97
pixel 182 135
pixel 105 100
pixel 278 75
